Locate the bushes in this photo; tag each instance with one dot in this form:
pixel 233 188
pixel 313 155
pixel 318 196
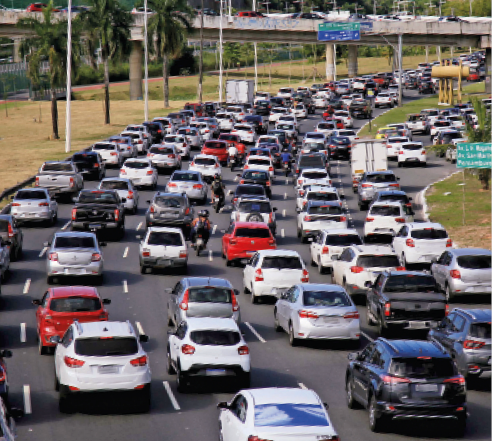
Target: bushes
pixel 439 149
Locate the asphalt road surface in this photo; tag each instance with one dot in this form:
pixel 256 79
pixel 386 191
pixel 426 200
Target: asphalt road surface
pixel 141 298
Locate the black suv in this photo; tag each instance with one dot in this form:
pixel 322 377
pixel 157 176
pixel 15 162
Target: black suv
pixel 262 107
pixel 90 164
pixel 406 379
pixel 170 210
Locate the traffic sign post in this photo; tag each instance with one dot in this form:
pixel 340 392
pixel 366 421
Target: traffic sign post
pixel 339 31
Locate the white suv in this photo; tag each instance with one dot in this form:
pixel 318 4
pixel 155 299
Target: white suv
pixel 412 153
pixel 384 99
pixel 393 144
pixel 317 193
pixel 101 356
pixel 317 216
pixel 206 347
pixel 386 218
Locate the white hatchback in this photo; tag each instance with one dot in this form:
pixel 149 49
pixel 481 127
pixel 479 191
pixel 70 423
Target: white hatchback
pixel 140 171
pixel 393 145
pixel 125 190
pixel 412 153
pixel 181 144
pixel 164 156
pixel 319 215
pixel 246 132
pixel 386 218
pixel 263 163
pixel 348 122
pixel 208 165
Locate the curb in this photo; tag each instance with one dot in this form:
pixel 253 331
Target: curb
pixel 381 114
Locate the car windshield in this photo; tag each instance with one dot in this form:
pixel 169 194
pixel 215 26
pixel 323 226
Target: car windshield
pixel 290 415
pixel 106 346
pixel 209 294
pixel 114 185
pixel 250 190
pixel 474 262
pixel 281 262
pixel 480 330
pixel 166 239
pixel 255 175
pixel 185 177
pixel 215 338
pixel 30 194
pixel 422 367
pixel 429 233
pixel 325 298
pixel 75 304
pixel 139 165
pixel 343 240
pixel 381 178
pixel 260 233
pixel 325 209
pixel 57 167
pixel 74 242
pixel 382 261
pixel 254 206
pixel 322 196
pixel 410 283
pixel 385 210
pixel 97 197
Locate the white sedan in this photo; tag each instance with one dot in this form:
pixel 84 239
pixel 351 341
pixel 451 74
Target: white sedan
pixel 393 145
pixel 412 153
pixel 192 136
pixel 320 101
pixel 140 172
pixel 179 141
pixel 263 163
pixel 207 165
pixel 246 132
pixel 300 111
pixel 275 414
pixel 348 122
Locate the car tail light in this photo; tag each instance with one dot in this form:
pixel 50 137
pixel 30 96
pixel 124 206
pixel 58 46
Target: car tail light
pixel 188 349
pixel 254 437
pixel 140 361
pixel 96 257
pixel 366 185
pixel 152 209
pixel 305 276
pixel 15 204
pixel 234 241
pixel 171 184
pixel 37 181
pixel 325 250
pixel 271 242
pixel 198 186
pixel 150 172
pixel 343 218
pixel 241 181
pixel 410 243
pixel 116 215
pixel 184 304
pixel 41 204
pixel 394 185
pixel 351 315
pixel 459 379
pixel 389 379
pixel 308 314
pixel 146 253
pixel 387 309
pixel 150 155
pixel 235 304
pixel 122 171
pixel 245 167
pixel 259 275
pixel 400 268
pixel 270 168
pixel 400 220
pixel 129 195
pixel 422 152
pixel 115 153
pixel 449 243
pixel 53 257
pixel 455 274
pixel 139 142
pixel 369 219
pixel 243 350
pixel 73 362
pixel 72 182
pixel 356 269
pixel 74 213
pixel 307 218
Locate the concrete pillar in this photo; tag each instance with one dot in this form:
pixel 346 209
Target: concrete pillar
pixel 136 57
pixel 488 69
pixel 331 67
pixel 451 50
pixel 17 57
pixel 426 53
pixel 352 61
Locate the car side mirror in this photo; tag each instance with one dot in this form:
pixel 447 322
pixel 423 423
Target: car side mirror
pixel 298 210
pixel 397 179
pixel 36 302
pixel 55 339
pixel 103 244
pixel 353 356
pixel 223 405
pixel 123 200
pixel 368 284
pixel 5 353
pixel 410 198
pixel 16 413
pixel 326 406
pixel 236 291
pixel 143 338
pixel 106 301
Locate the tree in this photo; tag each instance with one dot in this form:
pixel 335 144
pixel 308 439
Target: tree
pixel 246 54
pixel 107 24
pixel 169 26
pixel 49 43
pixel 232 53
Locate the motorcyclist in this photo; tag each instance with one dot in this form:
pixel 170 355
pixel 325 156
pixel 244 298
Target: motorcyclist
pixel 218 187
pixel 286 156
pixel 232 151
pixel 203 218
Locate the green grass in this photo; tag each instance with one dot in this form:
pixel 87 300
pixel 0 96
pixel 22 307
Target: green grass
pixel 445 202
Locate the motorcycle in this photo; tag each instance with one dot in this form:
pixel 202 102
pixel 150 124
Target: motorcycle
pixel 199 243
pixel 218 202
pixel 287 167
pixel 232 162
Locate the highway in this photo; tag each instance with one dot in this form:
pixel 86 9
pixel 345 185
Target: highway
pixel 141 298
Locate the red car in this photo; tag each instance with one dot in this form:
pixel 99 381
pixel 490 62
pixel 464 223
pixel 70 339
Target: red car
pixel 218 149
pixel 243 239
pixel 38 7
pixel 60 306
pixel 234 140
pixel 197 108
pixel 249 14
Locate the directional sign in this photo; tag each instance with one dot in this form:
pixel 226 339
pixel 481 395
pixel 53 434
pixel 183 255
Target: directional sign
pixel 338 31
pixel 474 155
pixel 337 26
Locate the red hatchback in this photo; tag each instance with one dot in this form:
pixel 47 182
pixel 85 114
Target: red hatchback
pixel 243 239
pixel 38 7
pixel 60 306
pixel 218 149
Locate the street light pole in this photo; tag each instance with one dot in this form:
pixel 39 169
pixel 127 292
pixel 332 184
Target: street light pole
pixel 146 66
pixel 256 55
pixel 200 62
pixel 400 69
pixel 68 116
pixel 220 52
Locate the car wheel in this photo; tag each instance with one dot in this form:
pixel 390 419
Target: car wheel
pixel 254 298
pixel 276 324
pixel 313 263
pixel 292 339
pixel 246 290
pixel 49 280
pixel 460 427
pixel 169 366
pixel 143 269
pixel 321 268
pixel 375 422
pixel 135 209
pixel 382 330
pixel 56 383
pixel 65 400
pixel 182 381
pixel 351 403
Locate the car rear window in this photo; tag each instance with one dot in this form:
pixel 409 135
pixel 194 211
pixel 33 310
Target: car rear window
pixel 81 157
pixel 168 202
pixel 167 239
pixel 97 197
pixel 138 165
pixel 315 175
pixel 381 178
pixel 74 242
pixel 185 177
pixel 412 146
pixel 290 415
pixel 215 338
pixel 325 298
pixel 322 196
pixel 250 190
pixel 216 145
pixel 258 161
pixel 315 136
pixel 106 346
pixel 429 233
pixel 252 206
pixel 174 139
pixel 480 330
pixel 442 124
pixel 382 261
pixel 30 194
pixel 209 294
pixel 281 262
pixel 311 161
pixel 474 262
pixel 114 185
pixel 224 137
pixel 422 367
pixel 325 209
pixel 161 150
pixel 204 161
pixel 75 304
pixel 57 167
pixel 104 147
pixel 260 233
pixel 343 240
pixel 410 283
pixel 255 175
pixel 385 210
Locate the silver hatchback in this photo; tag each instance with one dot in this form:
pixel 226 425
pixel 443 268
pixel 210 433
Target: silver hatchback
pixel 74 254
pixel 189 182
pixel 34 204
pixel 372 182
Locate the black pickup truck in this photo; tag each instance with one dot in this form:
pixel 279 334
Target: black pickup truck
pixel 361 108
pixel 404 300
pixel 99 210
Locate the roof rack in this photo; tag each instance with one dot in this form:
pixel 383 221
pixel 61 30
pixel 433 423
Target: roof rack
pixel 391 345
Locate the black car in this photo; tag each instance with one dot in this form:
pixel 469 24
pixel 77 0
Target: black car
pixel 156 129
pixel 170 210
pixel 262 107
pixel 426 87
pixel 278 101
pixel 10 231
pixel 259 177
pixel 257 122
pixel 248 190
pixel 340 147
pixel 404 300
pixel 372 85
pixel 90 165
pixel 406 379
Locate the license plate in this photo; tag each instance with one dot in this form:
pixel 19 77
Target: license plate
pixel 74 270
pixel 96 226
pixel 136 180
pixel 330 321
pixel 165 262
pixel 215 372
pixel 417 325
pixel 109 369
pixel 426 387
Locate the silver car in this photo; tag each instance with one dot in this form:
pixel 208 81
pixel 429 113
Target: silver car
pixel 372 182
pixel 74 254
pixel 463 271
pixel 189 182
pixel 164 156
pixel 34 204
pixel 125 190
pixel 192 136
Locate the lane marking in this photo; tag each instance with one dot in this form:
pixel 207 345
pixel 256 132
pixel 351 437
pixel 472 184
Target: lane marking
pixel 125 286
pixel 282 232
pixel 303 386
pixel 229 192
pixel 174 402
pixel 41 254
pixel 253 330
pixel 26 286
pixel 285 195
pixel 287 181
pixel 27 399
pixel 140 328
pixel 139 226
pixel 210 257
pixel 125 253
pixel 366 336
pixel 283 212
pixel 138 236
pixel 23 332
pixel 236 178
pixel 214 228
pixel 66 225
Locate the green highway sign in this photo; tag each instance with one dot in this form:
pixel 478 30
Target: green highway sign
pixel 474 155
pixel 326 27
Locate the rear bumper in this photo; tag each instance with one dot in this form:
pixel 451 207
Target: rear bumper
pixel 203 370
pixel 308 331
pixel 430 411
pixel 28 217
pixel 459 287
pixel 97 225
pixel 91 270
pixel 163 262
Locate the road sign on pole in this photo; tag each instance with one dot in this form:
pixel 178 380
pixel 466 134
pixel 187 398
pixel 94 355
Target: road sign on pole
pixel 339 31
pixel 474 155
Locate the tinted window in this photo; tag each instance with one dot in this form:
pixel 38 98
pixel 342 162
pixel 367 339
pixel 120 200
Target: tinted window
pixel 474 262
pixel 75 304
pixel 324 196
pixel 57 167
pixel 410 283
pixel 260 233
pixel 215 338
pixel 114 185
pixel 185 177
pixel 30 194
pixel 80 157
pixel 325 298
pixel 136 165
pixel 378 261
pixel 315 136
pixel 161 150
pixel 380 178
pixel 165 239
pixel 209 294
pixel 74 242
pixel 173 139
pixel 281 262
pixel 112 346
pixel 168 202
pixel 96 197
pixel 385 210
pixel 255 175
pixel 325 209
pixel 480 330
pixel 393 197
pixel 258 161
pixel 314 175
pixel 283 415
pixel 249 189
pixel 103 147
pixel 216 145
pixel 4 226
pixel 251 206
pixel 412 146
pixel 205 161
pixel 424 367
pixel 429 233
pixel 343 240
pixel 311 162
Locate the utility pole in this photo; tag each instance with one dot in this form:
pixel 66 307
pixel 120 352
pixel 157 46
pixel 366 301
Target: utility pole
pixel 68 116
pixel 400 70
pixel 256 53
pixel 146 66
pixel 220 53
pixel 200 62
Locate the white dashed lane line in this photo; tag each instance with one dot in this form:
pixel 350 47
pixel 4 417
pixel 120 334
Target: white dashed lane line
pixel 210 256
pixel 302 386
pixel 27 399
pixel 366 336
pixel 23 332
pixel 41 254
pixel 125 253
pixel 139 328
pixel 174 402
pixel 283 212
pixel 27 285
pixel 139 226
pixel 66 225
pixel 282 232
pixel 214 229
pixel 253 330
pixel 285 195
pixel 125 286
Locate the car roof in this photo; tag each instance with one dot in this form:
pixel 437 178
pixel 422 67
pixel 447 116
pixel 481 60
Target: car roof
pixel 320 287
pixel 75 233
pixel 422 225
pixel 206 281
pixel 281 252
pixel 165 230
pixel 341 231
pixel 105 329
pixel 74 291
pixel 471 252
pixel 215 323
pixel 415 348
pixel 477 315
pixel 283 395
pixel 374 249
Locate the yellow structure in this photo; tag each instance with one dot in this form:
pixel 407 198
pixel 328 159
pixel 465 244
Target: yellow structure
pixel 447 75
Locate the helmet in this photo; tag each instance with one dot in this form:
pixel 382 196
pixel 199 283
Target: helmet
pixel 218 177
pixel 203 213
pixel 285 150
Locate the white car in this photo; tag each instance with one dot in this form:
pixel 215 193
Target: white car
pixel 263 163
pixel 180 143
pixel 313 176
pixel 319 215
pixel 226 121
pixel 386 218
pixel 395 95
pixel 269 270
pixel 34 204
pixel 421 242
pixel 430 116
pixel 140 171
pixel 300 111
pixel 267 139
pixel 138 128
pixel 289 128
pixel 316 192
pixel 204 128
pixel 192 135
pixel 275 414
pixel 164 156
pixel 348 122
pixel 346 100
pixel 289 119
pixel 246 132
pixel 320 101
pixel 163 247
pixel 358 264
pixel 286 92
pixel 208 165
pixel 328 243
pixel 276 113
pixel 125 189
pixel 237 112
pixel 101 356
pixel 127 148
pixel 262 96
pixel 205 347
pixel 412 153
pixel 315 137
pixel 393 146
pixel 325 92
pixel 110 153
pixel 254 209
pixel 384 99
pixel 456 121
pixel 327 128
pixel 350 134
pixel 140 139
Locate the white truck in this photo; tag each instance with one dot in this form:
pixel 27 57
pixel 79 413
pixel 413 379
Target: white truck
pixel 367 156
pixel 239 91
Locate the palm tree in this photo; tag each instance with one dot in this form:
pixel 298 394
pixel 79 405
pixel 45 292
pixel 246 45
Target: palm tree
pixel 49 43
pixel 170 25
pixel 108 24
